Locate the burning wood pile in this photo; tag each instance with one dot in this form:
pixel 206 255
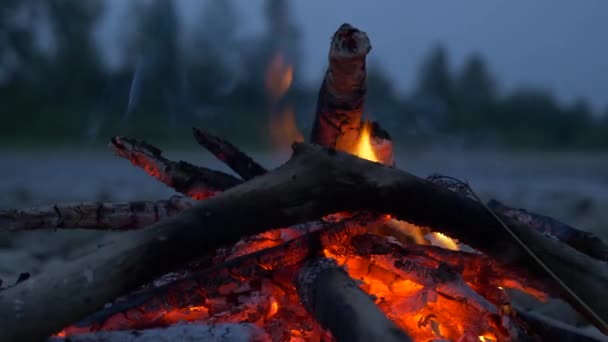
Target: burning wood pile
pixel 329 246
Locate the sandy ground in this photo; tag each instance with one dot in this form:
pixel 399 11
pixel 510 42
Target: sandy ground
pixel 570 187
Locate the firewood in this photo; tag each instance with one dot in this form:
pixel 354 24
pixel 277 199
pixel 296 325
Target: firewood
pixel 336 302
pixel 194 181
pixel 583 241
pixel 243 332
pixel 341 97
pixel 93 215
pixel 316 181
pixel 223 150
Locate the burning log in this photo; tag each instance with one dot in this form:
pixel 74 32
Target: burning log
pixel 582 241
pixel 93 215
pixel 244 332
pixel 341 98
pixel 314 182
pixel 336 301
pixel 223 150
pixel 194 181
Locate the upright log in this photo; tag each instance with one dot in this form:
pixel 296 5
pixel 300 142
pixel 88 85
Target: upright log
pixel 335 300
pixel 315 182
pixel 340 101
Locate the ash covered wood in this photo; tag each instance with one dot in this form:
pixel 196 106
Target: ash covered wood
pixel 244 332
pixel 584 242
pixel 93 215
pixel 194 181
pixel 339 305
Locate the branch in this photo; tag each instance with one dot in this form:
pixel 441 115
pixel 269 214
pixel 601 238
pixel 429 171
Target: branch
pixel 315 182
pixel 93 215
pixel 194 181
pixel 223 150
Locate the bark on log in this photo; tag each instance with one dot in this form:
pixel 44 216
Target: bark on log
pixel 223 150
pixel 316 181
pixel 182 332
pixel 341 97
pixel 584 242
pixel 339 305
pixel 93 215
pixel 194 181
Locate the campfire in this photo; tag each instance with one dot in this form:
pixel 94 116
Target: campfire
pixel 336 244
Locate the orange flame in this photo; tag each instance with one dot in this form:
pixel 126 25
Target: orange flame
pixel 279 76
pixel 283 128
pixel 363 148
pixel 444 241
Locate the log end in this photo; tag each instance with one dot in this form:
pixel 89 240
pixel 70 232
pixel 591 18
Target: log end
pixel 349 42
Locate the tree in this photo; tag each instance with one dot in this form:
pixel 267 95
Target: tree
pixel 76 66
pixel 435 79
pixel 475 83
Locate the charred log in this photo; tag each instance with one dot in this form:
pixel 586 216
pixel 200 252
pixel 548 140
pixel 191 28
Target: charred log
pixel 582 241
pixel 93 215
pixel 540 328
pixel 336 301
pixel 341 97
pixel 223 150
pixel 194 181
pixel 314 182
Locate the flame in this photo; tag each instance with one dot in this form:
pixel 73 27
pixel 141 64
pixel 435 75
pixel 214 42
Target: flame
pixel 488 338
pixel 441 240
pixel 283 128
pixel 279 76
pixel 363 148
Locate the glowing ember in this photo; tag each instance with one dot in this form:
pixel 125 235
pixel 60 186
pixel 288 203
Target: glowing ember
pixel 441 240
pixel 274 308
pixel 363 148
pixel 279 76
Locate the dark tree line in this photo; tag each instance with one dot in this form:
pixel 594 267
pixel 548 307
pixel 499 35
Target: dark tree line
pixel 56 86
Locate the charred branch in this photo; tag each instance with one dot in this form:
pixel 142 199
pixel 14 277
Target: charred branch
pixel 194 181
pixel 223 150
pixel 582 241
pixel 340 306
pixel 93 215
pixel 316 181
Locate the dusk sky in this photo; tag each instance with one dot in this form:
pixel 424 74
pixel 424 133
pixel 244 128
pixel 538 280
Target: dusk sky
pixel 554 44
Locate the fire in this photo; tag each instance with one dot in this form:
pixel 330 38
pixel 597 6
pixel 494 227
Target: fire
pixel 283 128
pixel 279 76
pixel 488 338
pixel 444 241
pixel 363 148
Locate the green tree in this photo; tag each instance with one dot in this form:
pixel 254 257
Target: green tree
pixel 435 79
